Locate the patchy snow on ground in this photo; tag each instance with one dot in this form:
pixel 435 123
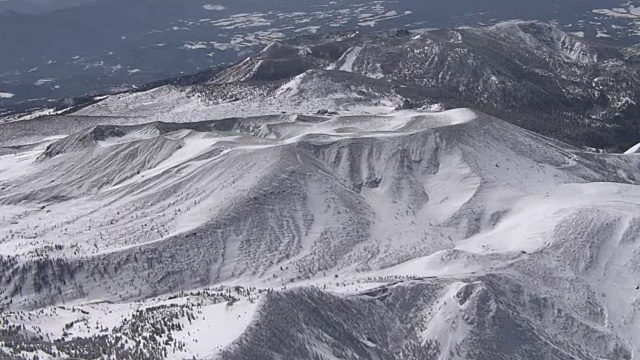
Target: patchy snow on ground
pixel 627 13
pixel 213 7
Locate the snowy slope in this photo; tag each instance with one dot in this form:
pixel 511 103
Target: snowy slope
pixel 475 208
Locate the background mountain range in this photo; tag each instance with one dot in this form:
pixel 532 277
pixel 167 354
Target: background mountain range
pixel 61 49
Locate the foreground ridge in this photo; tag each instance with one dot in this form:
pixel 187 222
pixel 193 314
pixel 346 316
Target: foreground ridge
pixel 449 215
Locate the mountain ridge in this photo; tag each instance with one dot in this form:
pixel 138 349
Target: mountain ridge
pixel 351 215
pixel 531 73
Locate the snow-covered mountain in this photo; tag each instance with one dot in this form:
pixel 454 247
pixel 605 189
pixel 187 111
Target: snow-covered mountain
pixel 320 200
pixel 533 74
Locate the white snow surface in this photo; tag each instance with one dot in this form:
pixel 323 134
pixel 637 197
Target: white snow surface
pixel 347 60
pixel 634 149
pixel 214 7
pixel 212 325
pixel 305 94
